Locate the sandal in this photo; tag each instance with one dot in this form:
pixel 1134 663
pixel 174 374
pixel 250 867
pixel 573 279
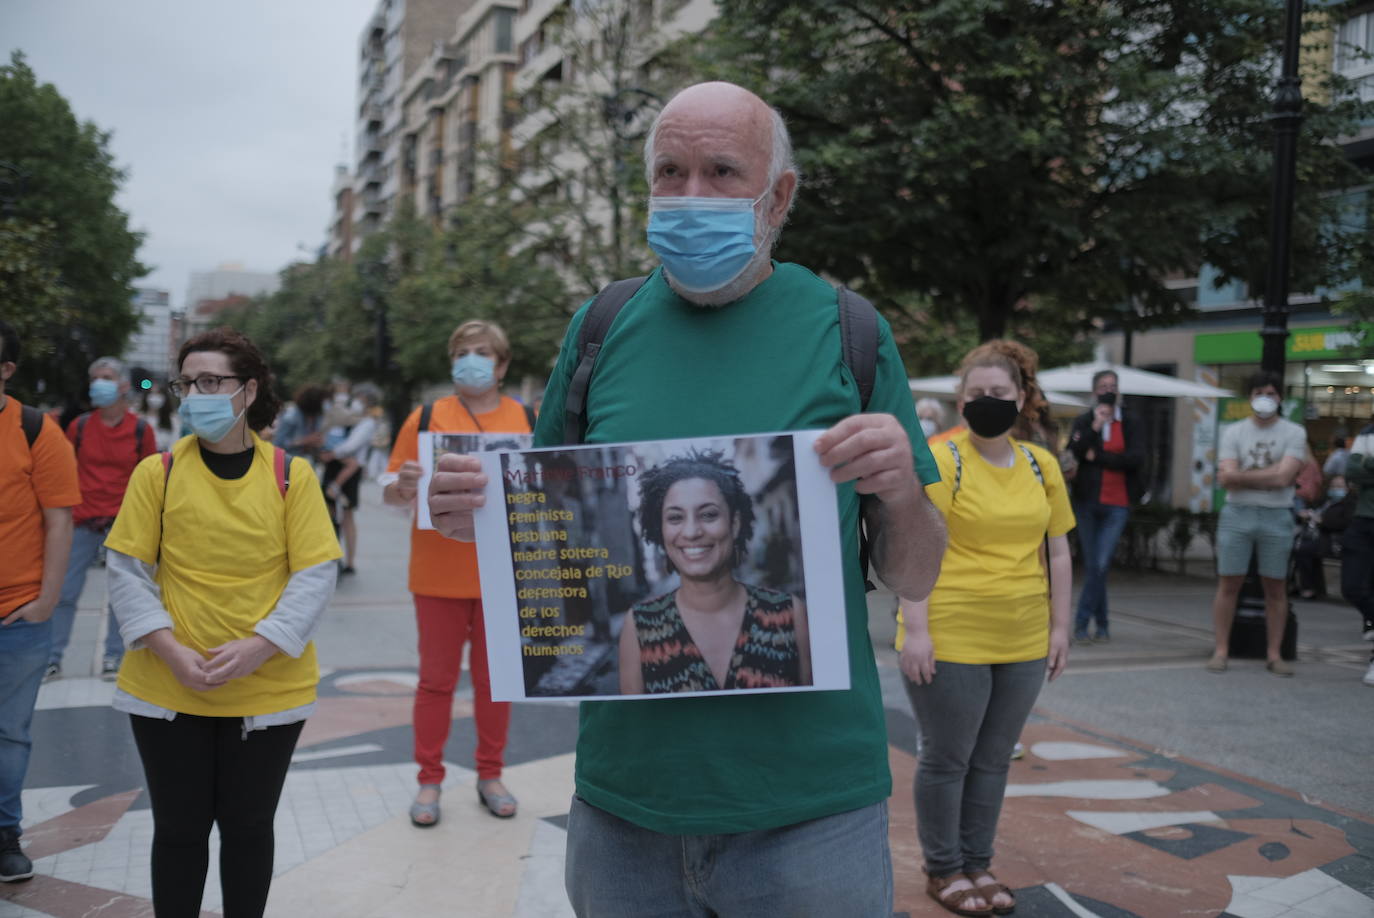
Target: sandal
pixel 426 815
pixel 989 886
pixel 502 806
pixel 954 901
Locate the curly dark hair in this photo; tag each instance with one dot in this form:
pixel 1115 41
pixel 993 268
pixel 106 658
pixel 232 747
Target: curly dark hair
pixel 708 465
pixel 246 361
pixel 310 399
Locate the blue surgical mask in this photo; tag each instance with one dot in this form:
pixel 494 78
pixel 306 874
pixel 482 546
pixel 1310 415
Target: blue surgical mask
pixel 474 371
pixel 1337 493
pixel 210 417
pixel 104 392
pixel 704 243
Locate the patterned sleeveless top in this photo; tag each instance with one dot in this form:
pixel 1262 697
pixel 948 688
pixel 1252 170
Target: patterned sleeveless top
pixel 766 652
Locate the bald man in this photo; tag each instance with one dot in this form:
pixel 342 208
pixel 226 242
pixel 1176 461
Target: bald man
pixel 751 805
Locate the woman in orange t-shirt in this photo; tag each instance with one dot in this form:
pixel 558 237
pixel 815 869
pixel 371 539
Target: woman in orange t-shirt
pixel 443 576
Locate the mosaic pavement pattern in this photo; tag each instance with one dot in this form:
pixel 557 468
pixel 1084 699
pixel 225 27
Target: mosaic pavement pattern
pixel 1093 827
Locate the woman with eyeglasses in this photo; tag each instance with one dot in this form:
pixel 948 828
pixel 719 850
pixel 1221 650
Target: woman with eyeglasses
pixel 221 562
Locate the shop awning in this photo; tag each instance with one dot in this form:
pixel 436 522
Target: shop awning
pixel 1078 377
pixel 943 387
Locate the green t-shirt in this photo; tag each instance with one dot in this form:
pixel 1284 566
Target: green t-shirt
pixel 770 362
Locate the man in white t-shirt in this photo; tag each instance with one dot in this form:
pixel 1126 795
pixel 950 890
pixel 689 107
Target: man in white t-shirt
pixel 1257 463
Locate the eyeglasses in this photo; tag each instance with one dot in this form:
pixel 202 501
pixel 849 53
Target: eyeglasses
pixel 205 384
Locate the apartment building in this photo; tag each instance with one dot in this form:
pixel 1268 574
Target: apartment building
pixel 151 347
pixel 456 105
pixel 396 41
pixel 479 104
pixel 211 292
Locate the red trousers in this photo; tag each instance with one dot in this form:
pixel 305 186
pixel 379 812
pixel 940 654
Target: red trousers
pixel 445 626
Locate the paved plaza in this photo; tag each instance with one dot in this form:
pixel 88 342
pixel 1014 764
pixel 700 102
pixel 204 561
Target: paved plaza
pixel 1150 787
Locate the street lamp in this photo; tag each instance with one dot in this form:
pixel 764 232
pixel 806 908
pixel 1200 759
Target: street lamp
pixel 1287 116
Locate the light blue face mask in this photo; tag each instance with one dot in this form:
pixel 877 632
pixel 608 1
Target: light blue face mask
pixel 104 392
pixel 704 243
pixel 210 417
pixel 1337 493
pixel 474 371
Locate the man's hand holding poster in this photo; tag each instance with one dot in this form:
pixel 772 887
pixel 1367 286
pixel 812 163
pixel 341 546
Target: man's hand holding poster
pixel 433 445
pixel 661 569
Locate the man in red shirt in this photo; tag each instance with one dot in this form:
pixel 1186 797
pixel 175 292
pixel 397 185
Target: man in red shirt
pixel 1109 445
pixel 109 441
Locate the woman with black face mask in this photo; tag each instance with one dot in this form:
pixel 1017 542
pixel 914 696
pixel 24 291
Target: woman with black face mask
pixel 974 654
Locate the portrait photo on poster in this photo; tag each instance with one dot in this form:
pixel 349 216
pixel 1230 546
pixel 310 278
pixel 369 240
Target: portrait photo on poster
pixel 662 569
pixel 432 445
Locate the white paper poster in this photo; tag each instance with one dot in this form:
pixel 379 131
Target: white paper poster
pixel 432 445
pixel 662 569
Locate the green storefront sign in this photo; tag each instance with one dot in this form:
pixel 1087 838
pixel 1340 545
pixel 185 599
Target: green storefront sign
pixel 1303 344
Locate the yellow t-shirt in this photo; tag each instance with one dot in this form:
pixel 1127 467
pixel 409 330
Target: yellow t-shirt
pixel 227 553
pixel 991 603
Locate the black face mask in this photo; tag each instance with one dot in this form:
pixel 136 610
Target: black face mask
pixel 1107 398
pixel 990 417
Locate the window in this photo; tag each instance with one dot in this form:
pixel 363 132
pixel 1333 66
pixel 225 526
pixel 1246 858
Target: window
pixel 1354 57
pixel 505 20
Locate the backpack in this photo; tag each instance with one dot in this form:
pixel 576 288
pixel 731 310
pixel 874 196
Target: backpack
pixel 427 412
pixel 31 421
pixel 139 430
pixel 858 346
pixel 858 349
pixel 1039 476
pixel 281 468
pixel 959 466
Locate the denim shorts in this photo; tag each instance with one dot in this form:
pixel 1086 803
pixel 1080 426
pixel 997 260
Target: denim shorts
pixel 1243 530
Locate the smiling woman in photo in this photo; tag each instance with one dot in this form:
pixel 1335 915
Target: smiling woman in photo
pixel 714 632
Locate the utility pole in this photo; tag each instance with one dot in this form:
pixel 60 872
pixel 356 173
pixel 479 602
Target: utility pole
pixel 1287 117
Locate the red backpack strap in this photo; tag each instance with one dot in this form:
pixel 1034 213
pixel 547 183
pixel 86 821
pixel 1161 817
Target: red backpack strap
pixel 281 467
pixel 166 467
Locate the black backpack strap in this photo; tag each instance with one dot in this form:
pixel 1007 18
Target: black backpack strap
pixel 31 420
pixel 1035 466
pixel 859 340
pixel 530 419
pixel 602 312
pixel 426 413
pixel 959 468
pixel 140 431
pixel 81 431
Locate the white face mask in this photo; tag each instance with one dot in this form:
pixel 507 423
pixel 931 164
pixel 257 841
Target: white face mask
pixel 155 402
pixel 1264 406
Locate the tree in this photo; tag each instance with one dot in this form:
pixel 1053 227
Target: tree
pixel 581 173
pixel 67 256
pixel 1013 156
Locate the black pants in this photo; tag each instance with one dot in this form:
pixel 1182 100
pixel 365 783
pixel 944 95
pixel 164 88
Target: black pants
pixel 203 771
pixel 1357 567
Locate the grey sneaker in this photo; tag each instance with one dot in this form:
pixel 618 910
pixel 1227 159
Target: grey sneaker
pixel 1369 674
pixel 53 671
pixel 14 863
pixel 109 669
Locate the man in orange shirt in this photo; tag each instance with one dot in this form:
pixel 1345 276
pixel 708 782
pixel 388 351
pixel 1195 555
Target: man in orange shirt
pixel 38 488
pixel 443 574
pixel 109 441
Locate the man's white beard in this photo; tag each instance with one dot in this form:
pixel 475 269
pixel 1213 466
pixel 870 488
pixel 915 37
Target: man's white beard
pixel 738 288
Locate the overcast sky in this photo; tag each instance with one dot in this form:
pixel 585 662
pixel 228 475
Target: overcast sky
pixel 227 114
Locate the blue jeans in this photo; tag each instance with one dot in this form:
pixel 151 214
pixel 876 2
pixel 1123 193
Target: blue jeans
pixel 835 865
pixel 86 544
pixel 1099 529
pixel 970 716
pixel 23 656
